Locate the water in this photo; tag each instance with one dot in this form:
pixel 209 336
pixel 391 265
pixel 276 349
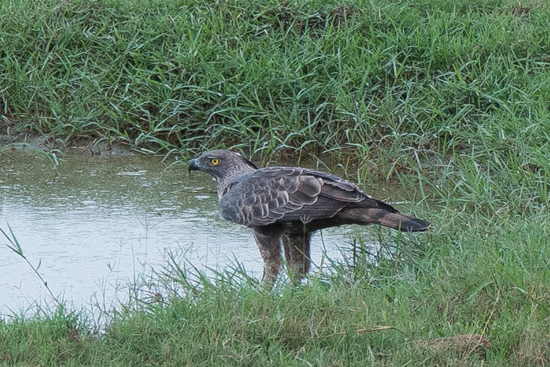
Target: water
pixel 94 223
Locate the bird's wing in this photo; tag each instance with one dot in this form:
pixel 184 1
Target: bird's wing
pixel 280 194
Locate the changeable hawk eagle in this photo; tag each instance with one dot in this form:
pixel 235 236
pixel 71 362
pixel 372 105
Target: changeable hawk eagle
pixel 284 205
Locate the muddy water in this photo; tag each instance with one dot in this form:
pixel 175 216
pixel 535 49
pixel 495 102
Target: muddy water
pixel 94 223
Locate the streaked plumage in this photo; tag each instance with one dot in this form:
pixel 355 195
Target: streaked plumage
pixel 284 205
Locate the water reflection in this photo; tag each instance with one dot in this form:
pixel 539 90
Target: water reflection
pixel 94 223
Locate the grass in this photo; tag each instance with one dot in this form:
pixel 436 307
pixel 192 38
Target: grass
pixel 448 97
pixel 362 80
pixel 471 275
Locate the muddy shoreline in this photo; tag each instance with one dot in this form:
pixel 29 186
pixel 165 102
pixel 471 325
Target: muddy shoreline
pixel 90 146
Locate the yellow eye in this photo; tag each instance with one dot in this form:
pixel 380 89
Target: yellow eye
pixel 215 161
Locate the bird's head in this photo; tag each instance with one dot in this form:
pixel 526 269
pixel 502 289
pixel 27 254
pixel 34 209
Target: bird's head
pixel 221 164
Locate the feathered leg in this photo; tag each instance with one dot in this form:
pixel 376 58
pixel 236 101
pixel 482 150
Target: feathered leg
pixel 268 240
pixel 296 246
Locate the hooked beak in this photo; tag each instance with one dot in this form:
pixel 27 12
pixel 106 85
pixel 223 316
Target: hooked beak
pixel 193 165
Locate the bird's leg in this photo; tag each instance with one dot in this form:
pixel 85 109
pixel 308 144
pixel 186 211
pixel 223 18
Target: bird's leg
pixel 296 246
pixel 269 244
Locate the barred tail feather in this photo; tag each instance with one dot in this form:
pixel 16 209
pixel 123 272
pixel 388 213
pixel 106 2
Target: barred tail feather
pixel 404 223
pixel 387 218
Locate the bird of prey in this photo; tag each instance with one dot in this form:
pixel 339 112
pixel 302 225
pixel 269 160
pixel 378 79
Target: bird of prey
pixel 284 205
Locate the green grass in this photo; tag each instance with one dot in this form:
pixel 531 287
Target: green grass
pixel 451 98
pixel 471 275
pixel 360 79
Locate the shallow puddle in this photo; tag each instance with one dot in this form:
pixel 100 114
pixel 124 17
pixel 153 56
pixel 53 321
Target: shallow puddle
pixel 93 224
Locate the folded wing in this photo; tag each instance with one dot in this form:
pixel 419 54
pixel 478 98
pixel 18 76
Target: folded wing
pixel 283 194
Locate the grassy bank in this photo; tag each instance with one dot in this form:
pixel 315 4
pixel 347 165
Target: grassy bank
pixel 452 98
pixel 471 275
pixel 367 79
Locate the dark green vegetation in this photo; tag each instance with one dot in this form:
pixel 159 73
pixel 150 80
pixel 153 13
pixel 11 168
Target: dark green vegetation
pixel 358 77
pixel 450 97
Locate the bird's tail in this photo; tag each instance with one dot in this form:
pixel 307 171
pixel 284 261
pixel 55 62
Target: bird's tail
pixel 401 222
pixel 382 214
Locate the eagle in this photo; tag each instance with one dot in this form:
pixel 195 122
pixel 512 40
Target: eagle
pixel 285 205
